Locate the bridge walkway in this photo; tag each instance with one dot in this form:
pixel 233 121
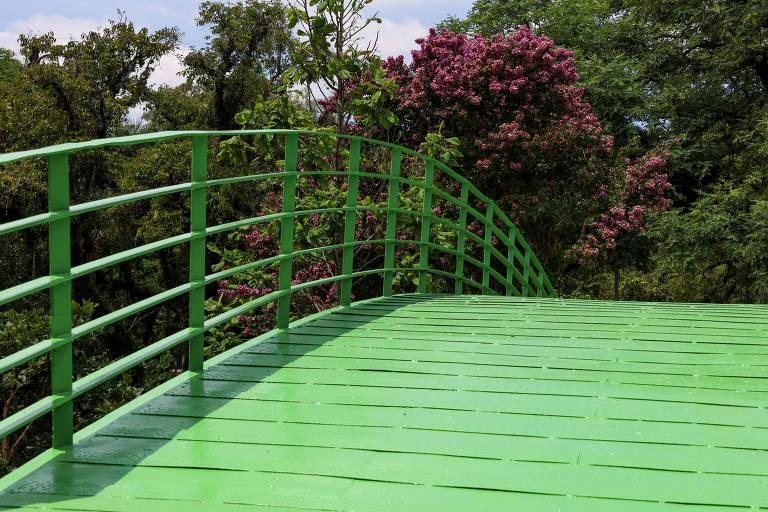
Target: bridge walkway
pixel 435 402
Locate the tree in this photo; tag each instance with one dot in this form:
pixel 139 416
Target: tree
pixel 96 80
pixel 67 92
pixel 245 56
pixel 630 191
pixel 604 42
pixel 526 134
pixel 184 107
pixel 693 70
pixel 689 70
pixel 716 247
pixel 330 57
pixel 709 63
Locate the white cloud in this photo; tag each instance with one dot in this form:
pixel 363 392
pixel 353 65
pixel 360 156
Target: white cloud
pixel 8 40
pixel 395 38
pixel 66 29
pixel 135 113
pixel 168 68
pixel 386 5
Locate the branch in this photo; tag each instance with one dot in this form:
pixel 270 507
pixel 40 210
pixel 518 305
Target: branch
pixel 16 443
pixel 6 410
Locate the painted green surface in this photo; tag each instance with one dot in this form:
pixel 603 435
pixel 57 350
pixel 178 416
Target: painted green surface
pixel 286 230
pixel 61 299
pixel 350 220
pixel 197 251
pixel 437 402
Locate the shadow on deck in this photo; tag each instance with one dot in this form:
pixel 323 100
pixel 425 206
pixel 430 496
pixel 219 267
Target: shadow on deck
pixel 446 403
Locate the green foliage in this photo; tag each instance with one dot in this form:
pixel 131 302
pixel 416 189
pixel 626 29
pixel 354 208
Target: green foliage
pixel 24 384
pixel 245 56
pixel 712 64
pixel 436 145
pixel 708 64
pixel 329 57
pixel 185 107
pixel 370 98
pixel 329 29
pixel 95 80
pixel 658 69
pixel 664 69
pixel 720 243
pixel 9 66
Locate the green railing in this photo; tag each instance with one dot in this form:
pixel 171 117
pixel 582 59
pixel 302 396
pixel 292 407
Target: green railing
pixel 524 274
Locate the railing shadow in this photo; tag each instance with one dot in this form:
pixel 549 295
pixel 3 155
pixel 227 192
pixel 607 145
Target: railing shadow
pixel 100 461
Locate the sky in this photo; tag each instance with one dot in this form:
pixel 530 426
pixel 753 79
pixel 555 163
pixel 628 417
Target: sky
pixel 402 22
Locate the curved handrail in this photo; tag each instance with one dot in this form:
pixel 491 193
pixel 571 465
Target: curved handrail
pixel 527 280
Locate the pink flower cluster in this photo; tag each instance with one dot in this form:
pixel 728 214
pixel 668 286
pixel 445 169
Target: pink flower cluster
pixel 262 244
pixel 511 100
pixel 639 188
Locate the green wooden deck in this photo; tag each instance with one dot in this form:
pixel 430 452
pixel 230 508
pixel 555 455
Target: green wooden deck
pixel 420 403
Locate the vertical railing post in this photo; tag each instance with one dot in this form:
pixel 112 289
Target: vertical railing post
pixel 488 231
pixel 461 239
pixel 197 224
pixel 392 203
pixel 285 275
pixel 350 222
pixel 429 178
pixel 511 259
pixel 60 262
pixel 526 271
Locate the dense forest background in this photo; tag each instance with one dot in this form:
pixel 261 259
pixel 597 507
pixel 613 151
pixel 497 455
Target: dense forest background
pixel 628 139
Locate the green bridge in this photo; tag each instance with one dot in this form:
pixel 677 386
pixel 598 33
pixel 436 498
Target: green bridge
pixel 493 395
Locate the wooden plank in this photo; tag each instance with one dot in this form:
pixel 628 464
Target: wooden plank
pixel 522 447
pixel 329 485
pixel 102 503
pixel 563 405
pixel 586 343
pixel 598 339
pixel 627 353
pixel 362 495
pixel 268 365
pixel 498 366
pixel 488 325
pixel 342 461
pixel 375 311
pixel 594 349
pixel 241 379
pixel 557 427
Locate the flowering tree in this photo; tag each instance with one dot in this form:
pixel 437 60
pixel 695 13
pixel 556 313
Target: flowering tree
pixel 527 137
pixel 634 189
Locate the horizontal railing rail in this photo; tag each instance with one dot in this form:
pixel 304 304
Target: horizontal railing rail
pixel 523 273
